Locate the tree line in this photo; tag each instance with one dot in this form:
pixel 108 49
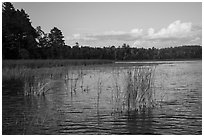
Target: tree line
pixel 20 40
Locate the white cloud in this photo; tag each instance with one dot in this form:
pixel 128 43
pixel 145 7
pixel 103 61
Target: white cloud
pixel 76 36
pixel 150 32
pixel 112 33
pixel 175 33
pixel 138 42
pixel 175 29
pixel 137 31
pixel 196 40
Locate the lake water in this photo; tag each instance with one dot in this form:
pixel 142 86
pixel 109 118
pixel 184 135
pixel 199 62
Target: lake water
pixel 93 101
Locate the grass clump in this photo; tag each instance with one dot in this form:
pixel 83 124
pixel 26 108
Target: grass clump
pixel 139 88
pixel 35 81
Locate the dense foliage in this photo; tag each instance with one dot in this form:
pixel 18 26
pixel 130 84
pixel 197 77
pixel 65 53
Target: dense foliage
pixel 21 41
pixel 17 32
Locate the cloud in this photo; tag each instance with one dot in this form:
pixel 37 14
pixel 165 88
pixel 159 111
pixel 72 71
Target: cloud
pixel 79 37
pixel 118 35
pixel 137 31
pixel 110 35
pixel 174 30
pixel 175 33
pixel 150 32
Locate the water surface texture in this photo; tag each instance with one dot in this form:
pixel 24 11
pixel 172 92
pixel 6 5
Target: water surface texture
pixel 94 101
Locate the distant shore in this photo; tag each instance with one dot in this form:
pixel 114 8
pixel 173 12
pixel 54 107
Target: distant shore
pixel 79 62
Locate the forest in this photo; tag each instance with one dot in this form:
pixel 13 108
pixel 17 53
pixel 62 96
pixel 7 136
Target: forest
pixel 20 40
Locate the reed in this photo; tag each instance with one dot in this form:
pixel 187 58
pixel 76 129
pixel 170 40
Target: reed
pixel 72 80
pixel 35 81
pixel 139 92
pixel 99 91
pixel 117 96
pixel 138 82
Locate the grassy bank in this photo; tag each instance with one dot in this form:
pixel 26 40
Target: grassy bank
pixel 51 63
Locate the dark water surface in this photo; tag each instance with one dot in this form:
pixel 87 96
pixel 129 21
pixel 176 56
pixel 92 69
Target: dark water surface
pixel 178 110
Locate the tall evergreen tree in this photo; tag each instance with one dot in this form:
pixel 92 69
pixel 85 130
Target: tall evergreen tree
pixel 56 43
pixel 42 43
pixel 17 33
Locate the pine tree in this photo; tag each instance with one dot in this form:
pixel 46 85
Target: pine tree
pixel 56 43
pixel 17 33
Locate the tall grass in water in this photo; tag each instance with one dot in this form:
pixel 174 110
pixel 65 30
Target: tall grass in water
pixel 72 80
pixel 99 91
pixel 117 97
pixel 139 88
pixel 36 85
pixel 35 81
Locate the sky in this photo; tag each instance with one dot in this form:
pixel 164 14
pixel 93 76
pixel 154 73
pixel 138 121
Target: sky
pixel 148 24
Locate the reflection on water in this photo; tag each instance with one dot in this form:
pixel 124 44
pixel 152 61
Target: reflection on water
pixel 92 102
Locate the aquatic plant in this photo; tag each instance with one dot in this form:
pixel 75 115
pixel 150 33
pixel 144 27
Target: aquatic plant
pixel 71 80
pixel 139 92
pixel 117 97
pixel 137 80
pixel 36 85
pixel 35 81
pixel 99 91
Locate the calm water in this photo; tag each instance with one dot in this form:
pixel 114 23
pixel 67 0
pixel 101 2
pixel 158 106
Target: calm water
pixel 91 105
